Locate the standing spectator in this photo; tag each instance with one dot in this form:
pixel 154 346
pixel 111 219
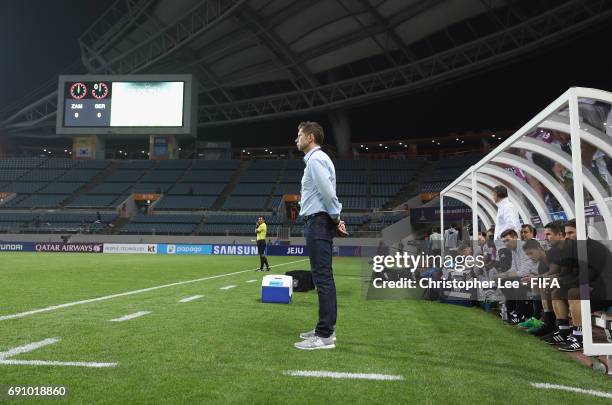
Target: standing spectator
pixel 451 236
pixel 507 214
pixel 435 240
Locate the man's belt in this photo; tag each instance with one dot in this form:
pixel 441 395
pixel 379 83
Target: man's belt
pixel 318 214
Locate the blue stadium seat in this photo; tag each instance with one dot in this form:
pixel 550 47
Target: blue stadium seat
pixel 178 202
pixel 207 176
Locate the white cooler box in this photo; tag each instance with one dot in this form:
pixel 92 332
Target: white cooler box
pixel 277 288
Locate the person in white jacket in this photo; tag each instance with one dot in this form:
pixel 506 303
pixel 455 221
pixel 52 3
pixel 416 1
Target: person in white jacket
pixel 507 214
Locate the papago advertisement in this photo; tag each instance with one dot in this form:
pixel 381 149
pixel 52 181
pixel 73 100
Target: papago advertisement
pixel 183 249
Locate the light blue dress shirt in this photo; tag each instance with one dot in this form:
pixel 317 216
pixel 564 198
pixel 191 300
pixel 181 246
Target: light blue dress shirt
pixel 319 185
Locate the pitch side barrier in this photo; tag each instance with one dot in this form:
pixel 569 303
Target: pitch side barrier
pixel 556 165
pixel 51 247
pixel 175 249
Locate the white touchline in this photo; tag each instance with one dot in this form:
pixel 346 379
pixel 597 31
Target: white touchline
pixel 4 357
pixel 124 294
pixel 56 363
pixel 251 281
pixel 195 297
pixel 227 287
pixel 572 389
pixel 130 316
pixel 334 374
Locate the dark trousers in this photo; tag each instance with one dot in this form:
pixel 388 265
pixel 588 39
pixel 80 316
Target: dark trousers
pixel 261 249
pixel 319 232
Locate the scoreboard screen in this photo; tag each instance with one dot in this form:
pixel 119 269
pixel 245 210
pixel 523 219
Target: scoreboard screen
pixel 136 104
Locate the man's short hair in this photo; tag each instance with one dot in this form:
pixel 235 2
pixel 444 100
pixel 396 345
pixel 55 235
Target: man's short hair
pixel 509 232
pixel 556 227
pixel 465 246
pixel 531 244
pixel 501 191
pixel 313 128
pixel 571 223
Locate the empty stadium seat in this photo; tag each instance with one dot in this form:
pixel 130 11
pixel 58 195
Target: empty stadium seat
pixel 39 201
pixel 95 201
pixel 178 202
pixel 24 188
pixel 215 164
pixel 201 176
pixel 287 188
pixel 259 176
pixel 60 188
pixel 162 176
pixel 197 188
pixel 253 189
pixel 245 203
pixel 78 175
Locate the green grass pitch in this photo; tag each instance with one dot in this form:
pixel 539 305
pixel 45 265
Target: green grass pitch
pixel 228 347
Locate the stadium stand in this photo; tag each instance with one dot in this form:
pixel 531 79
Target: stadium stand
pixel 196 185
pixel 31 222
pixel 447 170
pixel 162 224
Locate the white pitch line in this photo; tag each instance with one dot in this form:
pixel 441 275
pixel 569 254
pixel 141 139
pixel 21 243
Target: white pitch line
pixel 572 389
pixel 227 287
pixel 56 363
pixel 334 374
pixel 130 316
pixel 124 294
pixel 251 281
pixel 27 348
pixel 195 297
pixel 4 357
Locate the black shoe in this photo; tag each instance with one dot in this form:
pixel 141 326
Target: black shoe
pixel 259 270
pixel 543 331
pixel 267 269
pixel 514 319
pixel 572 344
pixel 554 338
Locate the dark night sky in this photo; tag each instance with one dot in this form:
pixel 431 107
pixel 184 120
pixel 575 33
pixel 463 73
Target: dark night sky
pixel 39 38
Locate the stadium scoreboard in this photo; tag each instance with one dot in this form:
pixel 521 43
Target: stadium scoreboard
pixel 128 105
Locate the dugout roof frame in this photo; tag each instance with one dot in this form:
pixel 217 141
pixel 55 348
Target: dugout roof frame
pixel 466 187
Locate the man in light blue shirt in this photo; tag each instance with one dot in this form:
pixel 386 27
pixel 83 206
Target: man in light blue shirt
pixel 320 210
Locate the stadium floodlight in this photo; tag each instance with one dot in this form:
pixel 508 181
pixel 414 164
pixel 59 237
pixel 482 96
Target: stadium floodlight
pixel 564 116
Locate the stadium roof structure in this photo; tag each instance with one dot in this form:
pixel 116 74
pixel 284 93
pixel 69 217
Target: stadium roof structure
pixel 262 59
